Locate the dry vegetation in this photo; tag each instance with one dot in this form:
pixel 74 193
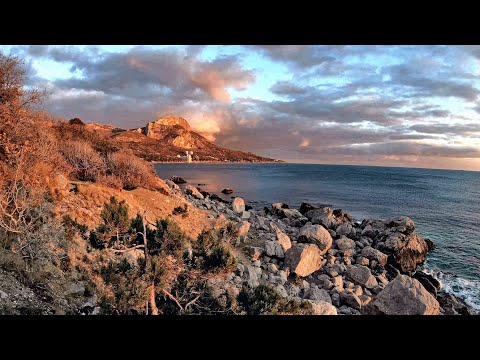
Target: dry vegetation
pixel 85 221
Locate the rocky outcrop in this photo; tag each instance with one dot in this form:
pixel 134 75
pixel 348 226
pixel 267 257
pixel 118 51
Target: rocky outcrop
pixel 397 238
pixel 303 259
pixel 406 296
pixel 193 191
pixel 357 274
pixel 318 235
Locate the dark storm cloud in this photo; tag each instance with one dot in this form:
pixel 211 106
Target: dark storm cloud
pixel 402 149
pixel 426 84
pixel 458 129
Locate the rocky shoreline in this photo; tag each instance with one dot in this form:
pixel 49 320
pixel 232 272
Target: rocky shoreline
pixel 326 258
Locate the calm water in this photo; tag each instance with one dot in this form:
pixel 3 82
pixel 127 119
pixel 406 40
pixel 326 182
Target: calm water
pixel 444 204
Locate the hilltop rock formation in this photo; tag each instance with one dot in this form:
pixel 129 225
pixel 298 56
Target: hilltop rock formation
pixel 170 136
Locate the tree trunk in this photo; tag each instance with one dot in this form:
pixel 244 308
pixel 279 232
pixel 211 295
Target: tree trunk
pixel 153 305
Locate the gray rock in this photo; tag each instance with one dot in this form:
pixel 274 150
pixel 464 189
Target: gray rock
pixel 282 238
pixel 344 243
pixel 362 261
pixel 245 215
pixel 406 296
pixel 324 282
pixel 283 274
pixel 192 190
pixel 368 232
pixel 273 248
pixel 346 229
pixel 373 254
pixel 335 299
pixel 361 275
pixel 318 235
pixel 281 290
pixel 251 276
pixel 314 293
pixel 351 300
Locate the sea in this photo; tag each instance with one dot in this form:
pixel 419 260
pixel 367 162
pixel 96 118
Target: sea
pixel 444 204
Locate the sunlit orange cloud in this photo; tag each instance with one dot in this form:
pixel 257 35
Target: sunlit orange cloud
pixel 215 82
pixel 207 125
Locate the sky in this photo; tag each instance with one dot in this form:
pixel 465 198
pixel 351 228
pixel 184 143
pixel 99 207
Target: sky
pixel 413 106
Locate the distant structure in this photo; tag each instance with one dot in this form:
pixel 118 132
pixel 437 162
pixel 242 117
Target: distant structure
pixel 187 157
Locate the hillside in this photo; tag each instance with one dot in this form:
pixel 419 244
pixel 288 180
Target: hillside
pixel 168 137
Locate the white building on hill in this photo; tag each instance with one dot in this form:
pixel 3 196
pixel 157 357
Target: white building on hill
pixel 187 157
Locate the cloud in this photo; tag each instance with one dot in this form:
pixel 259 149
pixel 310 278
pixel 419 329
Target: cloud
pixel 384 104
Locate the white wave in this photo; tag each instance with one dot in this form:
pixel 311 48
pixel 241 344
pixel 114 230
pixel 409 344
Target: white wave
pixel 466 289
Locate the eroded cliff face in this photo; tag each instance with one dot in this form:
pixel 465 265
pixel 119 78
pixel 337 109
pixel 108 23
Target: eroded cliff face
pixel 156 129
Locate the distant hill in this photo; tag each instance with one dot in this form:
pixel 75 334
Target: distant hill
pixel 170 136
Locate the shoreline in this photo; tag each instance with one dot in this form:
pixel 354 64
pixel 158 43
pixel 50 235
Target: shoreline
pixel 261 235
pixel 218 162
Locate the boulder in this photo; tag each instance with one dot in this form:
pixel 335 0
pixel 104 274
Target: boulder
pixel 374 254
pixel 322 308
pixel 361 275
pixel 277 209
pixel 282 238
pixel 273 248
pixel 318 235
pixel 324 282
pixel 351 300
pixel 407 251
pixel 303 259
pixel 304 208
pixel 177 180
pixel 291 214
pixel 406 296
pixel 346 229
pixel 238 205
pixel 227 191
pixel 250 276
pixel 323 216
pixel 192 190
pixel 314 293
pixel 368 232
pixel 431 284
pixel 341 216
pixel 245 215
pixel 243 229
pixel 345 243
pixel 402 222
pixel 338 281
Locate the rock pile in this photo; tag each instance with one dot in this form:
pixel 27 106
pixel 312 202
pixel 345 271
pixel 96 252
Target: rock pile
pixel 340 266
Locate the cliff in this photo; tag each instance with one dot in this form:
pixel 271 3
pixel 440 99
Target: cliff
pixel 170 136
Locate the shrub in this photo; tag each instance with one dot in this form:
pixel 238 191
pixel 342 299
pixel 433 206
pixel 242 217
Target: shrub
pixel 87 164
pixel 75 121
pixel 133 171
pixel 211 254
pixel 263 300
pixel 169 239
pixel 115 215
pixel 181 210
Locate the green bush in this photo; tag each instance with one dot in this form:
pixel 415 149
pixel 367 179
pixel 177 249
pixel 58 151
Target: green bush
pixel 263 300
pixel 181 210
pixel 169 239
pixel 210 253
